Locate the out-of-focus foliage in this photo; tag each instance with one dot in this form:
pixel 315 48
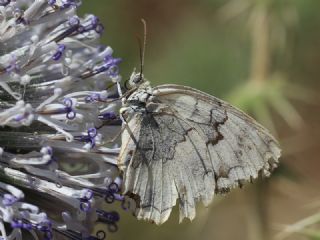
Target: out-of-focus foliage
pixel 219 47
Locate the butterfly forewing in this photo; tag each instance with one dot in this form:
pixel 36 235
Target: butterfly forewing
pixel 196 146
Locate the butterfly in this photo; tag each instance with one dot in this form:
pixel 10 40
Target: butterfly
pixel 182 145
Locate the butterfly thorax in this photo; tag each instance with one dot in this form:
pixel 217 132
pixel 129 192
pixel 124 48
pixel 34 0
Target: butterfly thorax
pixel 141 95
pixel 137 98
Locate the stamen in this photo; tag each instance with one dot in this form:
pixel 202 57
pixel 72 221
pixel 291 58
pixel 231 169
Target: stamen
pixel 56 93
pixel 46 121
pixel 90 139
pixel 20 114
pixel 71 114
pixel 52 2
pixel 58 54
pixel 4 2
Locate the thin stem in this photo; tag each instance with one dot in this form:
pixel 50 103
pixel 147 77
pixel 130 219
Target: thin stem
pixel 260 45
pixel 259 73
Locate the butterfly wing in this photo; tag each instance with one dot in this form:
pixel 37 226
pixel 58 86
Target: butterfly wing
pixel 198 146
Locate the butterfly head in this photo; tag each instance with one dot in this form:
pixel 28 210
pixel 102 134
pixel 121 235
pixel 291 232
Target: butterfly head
pixel 135 80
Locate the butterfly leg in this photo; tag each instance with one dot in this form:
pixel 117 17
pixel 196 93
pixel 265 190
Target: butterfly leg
pixel 125 125
pixel 116 136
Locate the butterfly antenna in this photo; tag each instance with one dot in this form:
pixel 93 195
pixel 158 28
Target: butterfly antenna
pixel 143 47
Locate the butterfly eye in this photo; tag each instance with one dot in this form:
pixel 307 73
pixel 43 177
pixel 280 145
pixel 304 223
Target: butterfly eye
pixel 137 79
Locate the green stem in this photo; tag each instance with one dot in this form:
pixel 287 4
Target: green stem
pixel 259 73
pixel 260 45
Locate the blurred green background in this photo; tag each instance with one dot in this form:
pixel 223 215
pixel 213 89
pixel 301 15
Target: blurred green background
pixel 264 57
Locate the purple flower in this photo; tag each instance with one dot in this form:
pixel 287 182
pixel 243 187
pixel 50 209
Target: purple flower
pixel 54 118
